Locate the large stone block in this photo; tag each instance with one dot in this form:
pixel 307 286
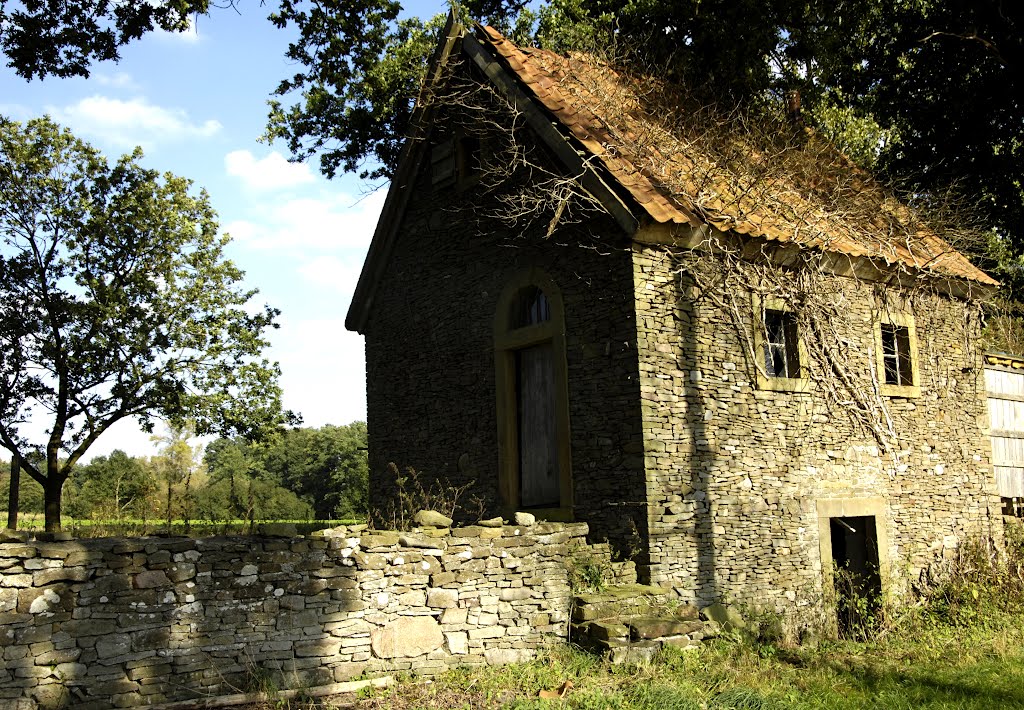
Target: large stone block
pixel 438 598
pixel 406 637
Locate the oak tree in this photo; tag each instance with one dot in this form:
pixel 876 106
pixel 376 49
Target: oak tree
pixel 116 302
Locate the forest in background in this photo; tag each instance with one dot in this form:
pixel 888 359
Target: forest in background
pixel 299 474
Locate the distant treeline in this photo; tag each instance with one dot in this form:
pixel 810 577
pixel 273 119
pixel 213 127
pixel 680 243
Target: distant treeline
pixel 300 474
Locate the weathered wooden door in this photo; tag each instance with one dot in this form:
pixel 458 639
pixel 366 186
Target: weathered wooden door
pixel 538 440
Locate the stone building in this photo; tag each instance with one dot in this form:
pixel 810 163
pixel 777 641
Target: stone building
pixel 739 362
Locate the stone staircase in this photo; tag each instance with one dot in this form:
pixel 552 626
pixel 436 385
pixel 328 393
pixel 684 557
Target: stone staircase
pixel 632 622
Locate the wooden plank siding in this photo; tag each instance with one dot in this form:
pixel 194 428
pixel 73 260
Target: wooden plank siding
pixel 1004 383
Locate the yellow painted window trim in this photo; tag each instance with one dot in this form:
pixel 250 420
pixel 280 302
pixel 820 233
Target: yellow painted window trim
pixel 906 320
pixel 776 384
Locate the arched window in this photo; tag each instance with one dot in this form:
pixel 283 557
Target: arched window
pixel 532 398
pixel 529 307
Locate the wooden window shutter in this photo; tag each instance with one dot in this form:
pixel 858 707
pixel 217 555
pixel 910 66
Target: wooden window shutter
pixel 442 163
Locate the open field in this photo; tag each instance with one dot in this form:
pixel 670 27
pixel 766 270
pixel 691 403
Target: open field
pixel 127 527
pixel 941 667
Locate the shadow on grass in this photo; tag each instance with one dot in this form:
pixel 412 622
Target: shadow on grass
pixel 985 684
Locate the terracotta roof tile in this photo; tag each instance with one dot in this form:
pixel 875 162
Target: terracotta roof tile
pixel 676 181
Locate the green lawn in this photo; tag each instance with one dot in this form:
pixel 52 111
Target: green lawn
pixel 127 527
pixel 980 667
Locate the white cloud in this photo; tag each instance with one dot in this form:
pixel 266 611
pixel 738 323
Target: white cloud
pixel 327 222
pixel 333 273
pixel 125 124
pixel 322 370
pixel 120 80
pixel 271 172
pixel 189 36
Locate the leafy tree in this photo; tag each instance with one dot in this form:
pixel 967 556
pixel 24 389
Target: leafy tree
pixel 61 38
pixel 176 466
pixel 327 467
pixel 217 501
pixel 239 486
pixel 116 301
pixel 114 486
pixel 230 465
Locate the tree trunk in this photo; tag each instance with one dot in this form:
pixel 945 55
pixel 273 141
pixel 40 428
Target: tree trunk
pixel 12 499
pixel 186 502
pixel 51 498
pixel 170 495
pixel 251 513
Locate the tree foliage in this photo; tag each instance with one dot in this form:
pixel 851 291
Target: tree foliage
pixel 116 301
pixel 61 38
pixel 112 487
pixel 327 467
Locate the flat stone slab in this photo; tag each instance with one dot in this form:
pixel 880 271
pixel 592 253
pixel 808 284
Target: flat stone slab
pixel 432 519
pixel 606 631
pixel 407 637
pixel 378 538
pixel 425 542
pixel 655 627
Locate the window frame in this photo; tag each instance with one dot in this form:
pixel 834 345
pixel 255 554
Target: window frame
pixel 897 320
pixel 801 383
pixel 456 160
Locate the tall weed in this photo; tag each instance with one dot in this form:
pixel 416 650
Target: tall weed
pixel 413 494
pixel 979 584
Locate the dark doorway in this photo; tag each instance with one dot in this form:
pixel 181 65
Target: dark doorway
pixel 857 581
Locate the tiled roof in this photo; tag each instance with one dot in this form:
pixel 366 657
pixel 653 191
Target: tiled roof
pixel 678 180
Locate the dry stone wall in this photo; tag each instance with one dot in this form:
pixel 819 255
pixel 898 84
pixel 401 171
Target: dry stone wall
pixel 129 622
pixel 430 353
pixel 738 477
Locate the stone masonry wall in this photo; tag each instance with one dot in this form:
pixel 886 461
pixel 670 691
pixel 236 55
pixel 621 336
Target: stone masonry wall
pixel 430 352
pixel 736 474
pixel 128 622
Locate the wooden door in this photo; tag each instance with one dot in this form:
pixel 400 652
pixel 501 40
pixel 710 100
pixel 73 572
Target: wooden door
pixel 539 484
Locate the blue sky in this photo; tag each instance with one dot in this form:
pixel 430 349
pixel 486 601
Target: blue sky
pixel 196 103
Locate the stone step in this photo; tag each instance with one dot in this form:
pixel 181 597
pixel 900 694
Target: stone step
pixel 617 600
pixel 635 639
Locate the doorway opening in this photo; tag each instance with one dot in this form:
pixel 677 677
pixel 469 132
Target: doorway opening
pixel 858 582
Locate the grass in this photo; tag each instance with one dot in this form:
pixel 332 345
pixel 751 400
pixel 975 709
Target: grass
pixel 126 527
pixel 943 668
